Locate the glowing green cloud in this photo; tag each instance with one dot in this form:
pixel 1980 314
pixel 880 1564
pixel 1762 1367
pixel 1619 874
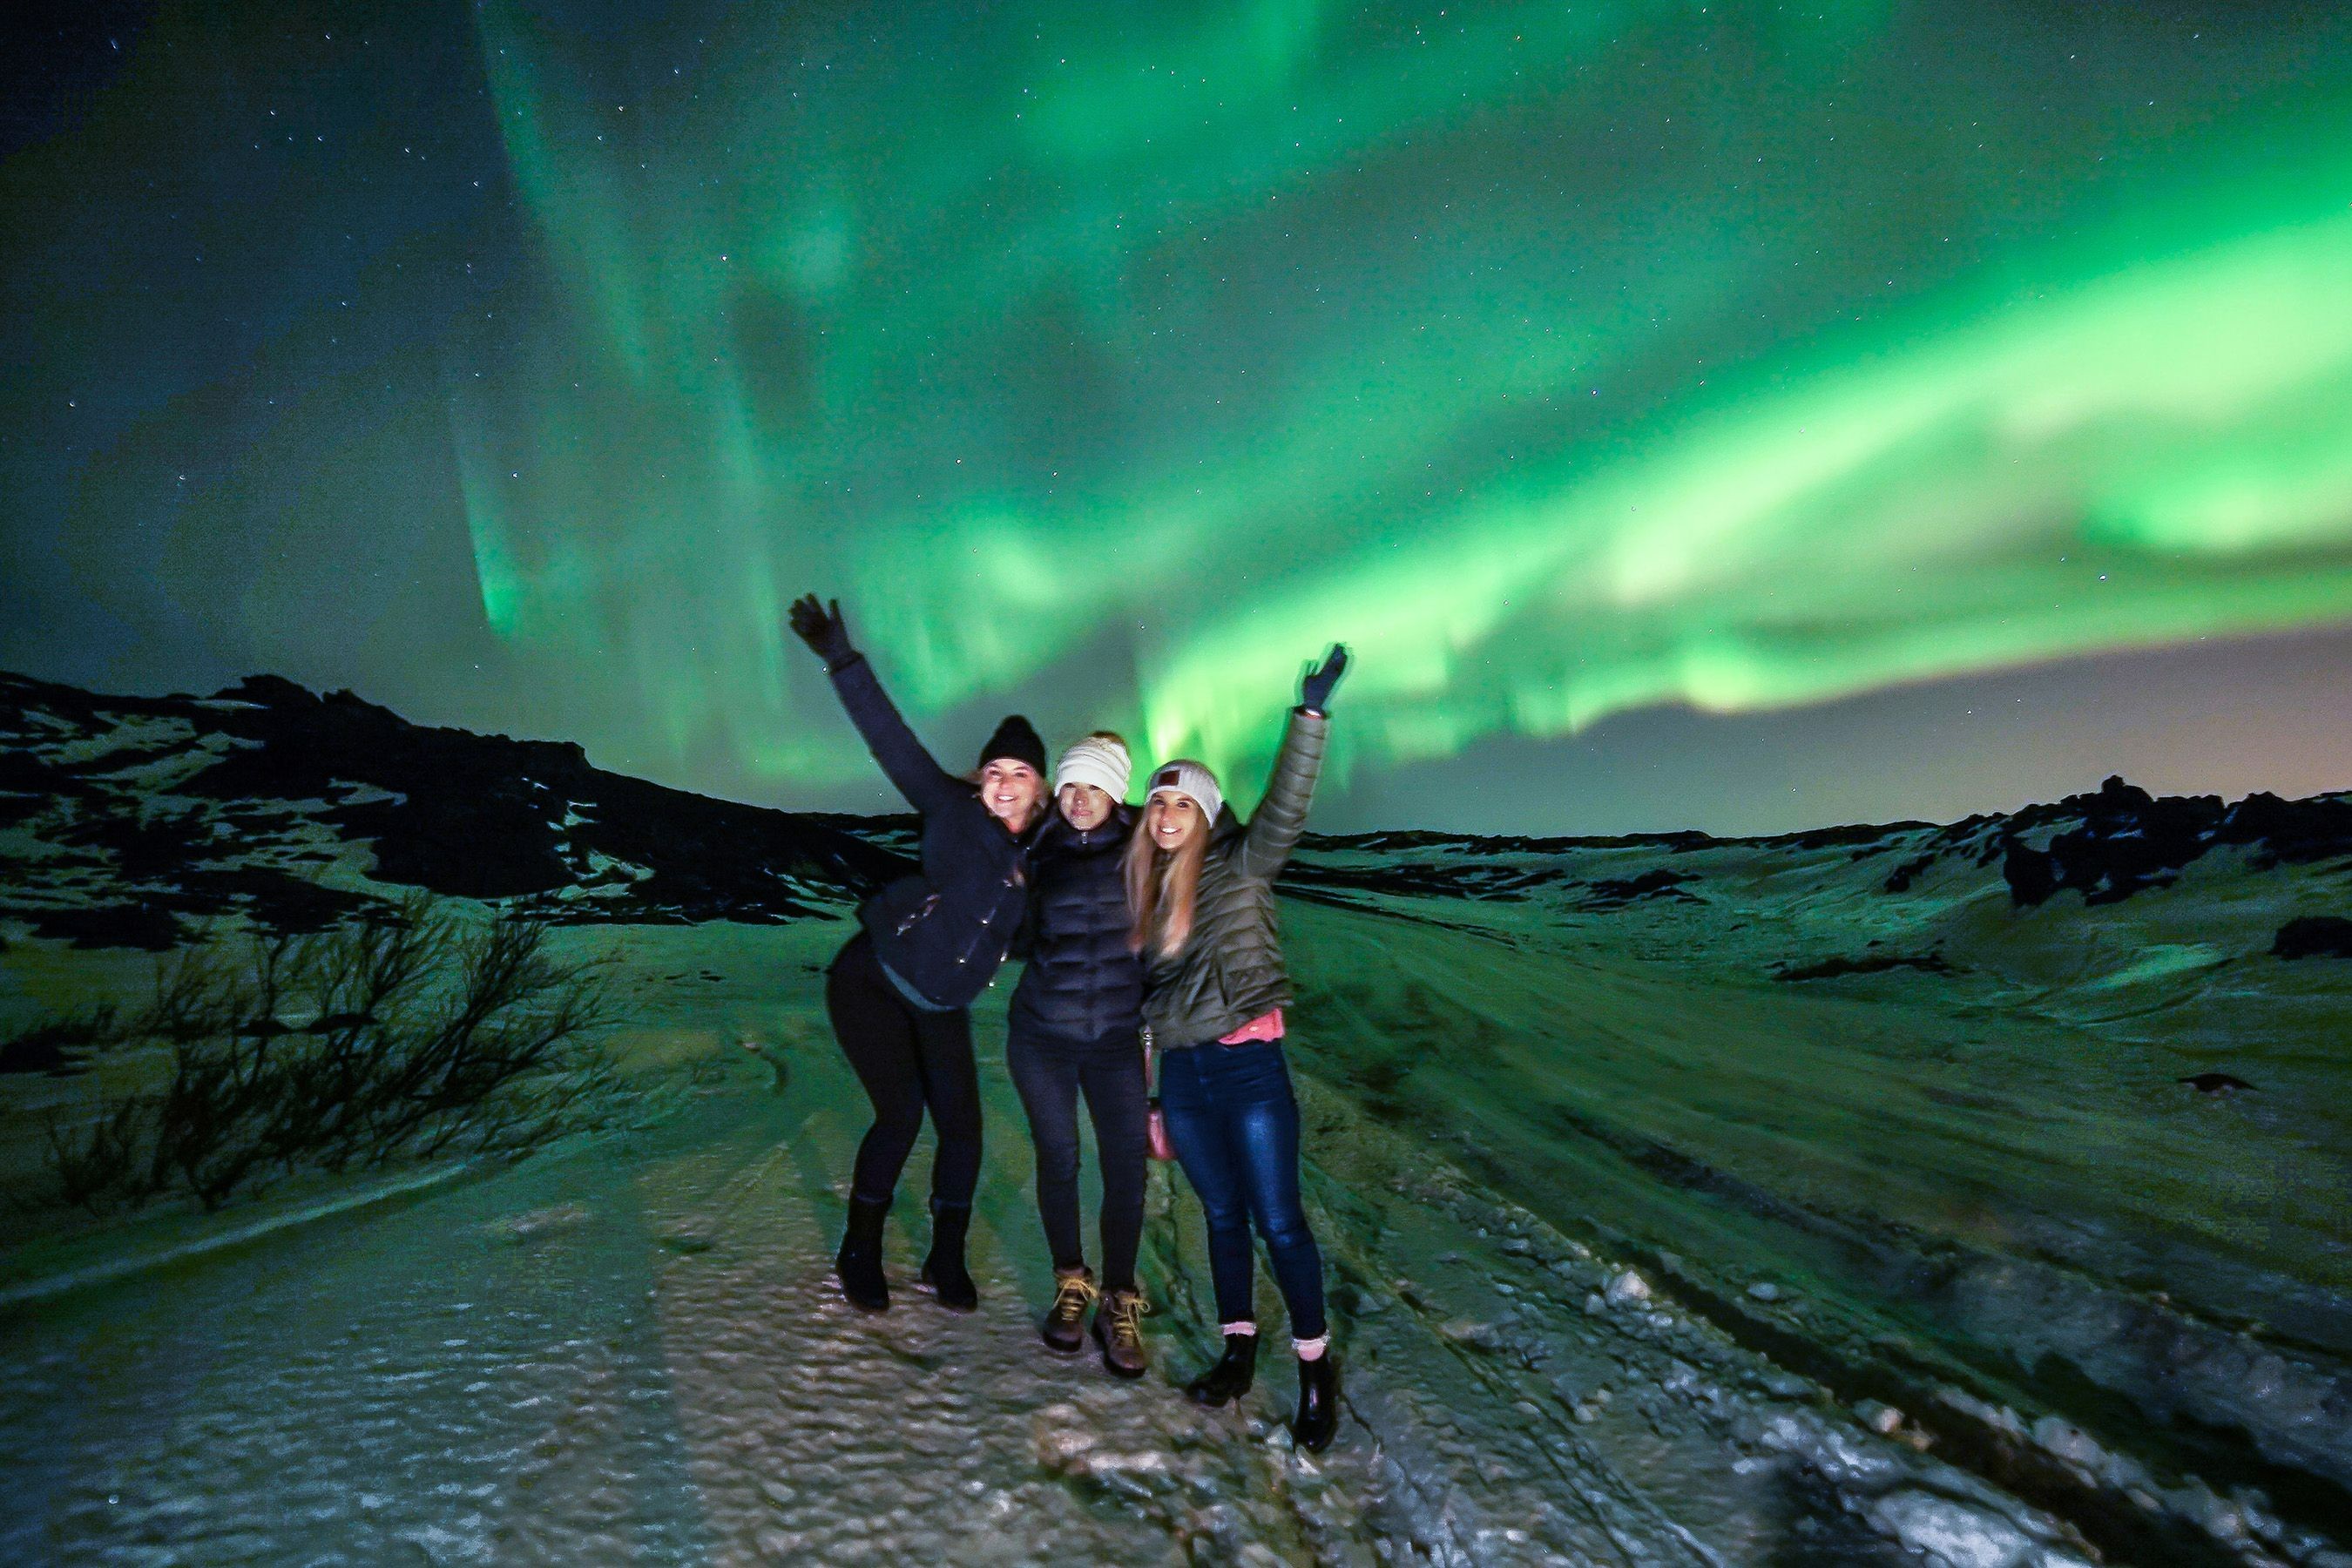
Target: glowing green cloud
pixel 1564 360
pixel 2161 454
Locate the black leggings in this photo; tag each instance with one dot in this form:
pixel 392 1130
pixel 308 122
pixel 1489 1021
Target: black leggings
pixel 908 1059
pixel 1049 1075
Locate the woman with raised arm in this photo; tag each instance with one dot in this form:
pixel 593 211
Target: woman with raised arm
pixel 1201 887
pixel 899 994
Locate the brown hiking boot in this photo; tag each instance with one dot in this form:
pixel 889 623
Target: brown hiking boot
pixel 1063 1328
pixel 1118 1329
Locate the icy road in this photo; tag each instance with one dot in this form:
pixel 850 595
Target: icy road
pixel 631 1352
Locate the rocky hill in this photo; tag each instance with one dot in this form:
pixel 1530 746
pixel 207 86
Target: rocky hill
pixel 124 818
pixel 2107 846
pixel 121 818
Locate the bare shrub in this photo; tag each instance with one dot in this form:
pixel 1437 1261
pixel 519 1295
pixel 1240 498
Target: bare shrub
pixel 408 1034
pixel 100 1166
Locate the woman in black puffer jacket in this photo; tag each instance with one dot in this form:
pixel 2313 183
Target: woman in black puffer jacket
pixel 1075 1024
pixel 900 993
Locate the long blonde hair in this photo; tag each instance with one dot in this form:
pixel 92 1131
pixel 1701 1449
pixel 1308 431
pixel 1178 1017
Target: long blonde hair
pixel 1160 884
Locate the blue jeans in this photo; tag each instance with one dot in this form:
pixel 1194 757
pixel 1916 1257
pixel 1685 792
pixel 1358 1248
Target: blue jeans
pixel 1235 1122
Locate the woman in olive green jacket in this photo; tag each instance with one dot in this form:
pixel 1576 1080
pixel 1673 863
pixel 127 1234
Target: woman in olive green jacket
pixel 1202 886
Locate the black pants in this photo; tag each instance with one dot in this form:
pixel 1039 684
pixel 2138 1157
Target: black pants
pixel 1049 1074
pixel 908 1059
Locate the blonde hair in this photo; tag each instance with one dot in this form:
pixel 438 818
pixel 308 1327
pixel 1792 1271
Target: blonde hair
pixel 1161 884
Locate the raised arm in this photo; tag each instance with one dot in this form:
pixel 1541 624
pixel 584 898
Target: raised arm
pixel 905 761
pixel 1281 817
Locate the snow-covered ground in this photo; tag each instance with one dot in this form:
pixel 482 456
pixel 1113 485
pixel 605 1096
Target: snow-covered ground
pixel 1976 1195
pixel 629 1351
pixel 1979 1194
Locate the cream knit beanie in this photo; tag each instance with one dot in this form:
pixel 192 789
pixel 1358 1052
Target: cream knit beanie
pixel 1098 760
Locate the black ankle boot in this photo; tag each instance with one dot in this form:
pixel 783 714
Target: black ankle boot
pixel 1318 1405
pixel 943 1270
pixel 1231 1377
pixel 860 1261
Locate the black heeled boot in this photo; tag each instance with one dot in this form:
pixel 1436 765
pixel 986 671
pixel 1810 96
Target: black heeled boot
pixel 859 1262
pixel 1231 1377
pixel 944 1270
pixel 1318 1405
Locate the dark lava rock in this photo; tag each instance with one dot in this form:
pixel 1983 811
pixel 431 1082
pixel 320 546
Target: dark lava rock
pixel 2314 936
pixel 2296 831
pixel 2031 875
pixel 1615 893
pixel 1899 879
pixel 1975 837
pixel 2127 840
pixel 1870 837
pixel 108 925
pixel 1869 963
pixel 2215 1083
pixel 49 1048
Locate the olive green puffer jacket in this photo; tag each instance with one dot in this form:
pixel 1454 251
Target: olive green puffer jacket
pixel 1229 970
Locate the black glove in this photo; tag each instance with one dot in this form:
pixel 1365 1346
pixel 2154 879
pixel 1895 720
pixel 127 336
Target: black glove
pixel 1315 692
pixel 823 629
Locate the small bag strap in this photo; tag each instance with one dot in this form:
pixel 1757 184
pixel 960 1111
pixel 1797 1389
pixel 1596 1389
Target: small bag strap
pixel 1150 1063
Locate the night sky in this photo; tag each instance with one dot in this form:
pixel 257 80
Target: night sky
pixel 1735 416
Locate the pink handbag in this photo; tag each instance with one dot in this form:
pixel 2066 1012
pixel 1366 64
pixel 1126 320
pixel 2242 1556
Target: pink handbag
pixel 1155 1120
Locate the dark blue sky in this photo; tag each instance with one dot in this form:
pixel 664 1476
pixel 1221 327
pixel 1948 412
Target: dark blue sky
pixel 324 333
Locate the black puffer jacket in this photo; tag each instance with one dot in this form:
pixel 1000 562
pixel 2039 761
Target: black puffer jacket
pixel 944 931
pixel 1230 969
pixel 1083 985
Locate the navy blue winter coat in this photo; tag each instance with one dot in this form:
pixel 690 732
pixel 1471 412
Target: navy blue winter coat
pixel 1083 985
pixel 944 930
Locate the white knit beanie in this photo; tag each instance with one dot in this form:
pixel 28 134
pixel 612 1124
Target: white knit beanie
pixel 1098 760
pixel 1186 777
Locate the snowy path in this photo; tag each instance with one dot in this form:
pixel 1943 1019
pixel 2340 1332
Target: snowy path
pixel 632 1353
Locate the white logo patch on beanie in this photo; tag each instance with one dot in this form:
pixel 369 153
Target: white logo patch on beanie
pixel 1099 760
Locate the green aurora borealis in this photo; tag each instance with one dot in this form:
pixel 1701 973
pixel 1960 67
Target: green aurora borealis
pixel 1571 363
pixel 1497 344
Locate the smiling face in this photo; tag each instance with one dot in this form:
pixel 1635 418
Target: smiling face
pixel 1084 806
pixel 1172 819
pixel 1011 790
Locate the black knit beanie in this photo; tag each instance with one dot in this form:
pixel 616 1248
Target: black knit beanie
pixel 1016 740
